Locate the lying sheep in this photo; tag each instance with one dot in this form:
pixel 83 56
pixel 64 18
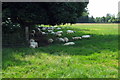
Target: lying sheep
pixel 44 33
pixel 52 27
pixel 33 44
pixel 50 40
pixel 50 30
pixel 76 38
pixel 61 39
pixel 58 28
pixel 38 29
pixel 44 28
pixel 70 31
pixel 86 36
pixel 33 31
pixel 59 32
pixel 69 43
pixel 66 39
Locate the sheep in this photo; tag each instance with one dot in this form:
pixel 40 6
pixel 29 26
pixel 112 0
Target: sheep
pixel 33 44
pixel 50 40
pixel 61 39
pixel 76 38
pixel 66 39
pixel 44 28
pixel 50 30
pixel 58 28
pixel 52 27
pixel 58 35
pixel 59 32
pixel 86 36
pixel 32 34
pixel 38 29
pixel 33 31
pixel 70 31
pixel 69 43
pixel 43 33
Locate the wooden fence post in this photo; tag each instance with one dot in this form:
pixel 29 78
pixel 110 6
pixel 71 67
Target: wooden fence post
pixel 27 33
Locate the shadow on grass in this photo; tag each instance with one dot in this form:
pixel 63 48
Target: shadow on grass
pixel 96 43
pixel 85 47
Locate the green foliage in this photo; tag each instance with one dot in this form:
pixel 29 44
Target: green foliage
pixel 43 12
pixel 105 19
pixel 96 57
pixel 10 27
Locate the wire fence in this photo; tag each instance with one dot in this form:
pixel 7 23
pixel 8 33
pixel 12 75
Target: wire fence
pixel 13 40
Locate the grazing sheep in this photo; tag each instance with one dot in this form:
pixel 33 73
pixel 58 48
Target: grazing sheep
pixel 50 40
pixel 76 38
pixel 66 39
pixel 70 31
pixel 69 43
pixel 86 36
pixel 33 44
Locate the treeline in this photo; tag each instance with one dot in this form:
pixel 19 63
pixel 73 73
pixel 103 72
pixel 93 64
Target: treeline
pixel 105 19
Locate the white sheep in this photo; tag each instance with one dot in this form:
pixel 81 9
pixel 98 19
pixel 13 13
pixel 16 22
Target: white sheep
pixel 50 30
pixel 86 36
pixel 59 32
pixel 33 44
pixel 66 39
pixel 76 38
pixel 61 39
pixel 38 29
pixel 43 33
pixel 44 28
pixel 58 28
pixel 50 40
pixel 70 31
pixel 52 27
pixel 69 43
pixel 58 35
pixel 33 31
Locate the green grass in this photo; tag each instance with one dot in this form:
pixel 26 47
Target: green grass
pixel 96 57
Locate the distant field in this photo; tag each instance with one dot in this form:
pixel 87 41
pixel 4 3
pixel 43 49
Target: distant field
pixel 96 57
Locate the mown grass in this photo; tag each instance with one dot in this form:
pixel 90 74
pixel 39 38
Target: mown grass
pixel 96 57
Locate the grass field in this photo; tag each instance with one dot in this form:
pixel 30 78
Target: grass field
pixel 96 57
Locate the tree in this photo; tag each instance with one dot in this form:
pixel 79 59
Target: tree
pixel 84 18
pixel 91 19
pixel 43 12
pixel 108 17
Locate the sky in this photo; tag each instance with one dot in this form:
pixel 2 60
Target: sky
pixel 99 8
